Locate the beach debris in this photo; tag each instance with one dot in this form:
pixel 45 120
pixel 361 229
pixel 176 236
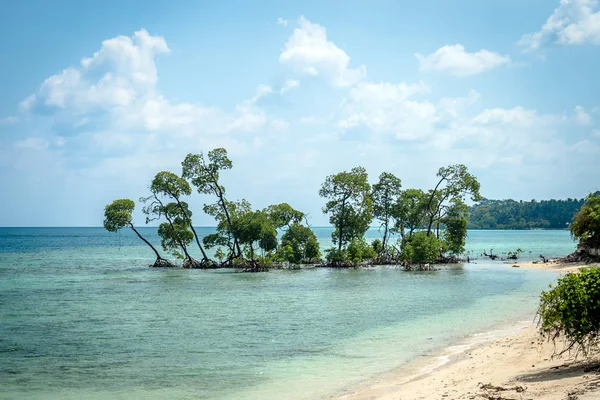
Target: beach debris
pixel 491 392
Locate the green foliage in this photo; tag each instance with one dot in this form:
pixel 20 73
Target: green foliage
pixel 377 245
pixel 385 196
pixel 359 250
pixel 455 221
pixel 511 214
pixel 409 212
pixel 572 309
pixel 169 184
pixel 254 227
pixel 336 257
pixel 118 214
pixel 298 244
pixel 205 175
pixel 455 183
pixel 220 255
pixel 422 248
pixel 350 205
pixel 283 215
pixel 586 223
pixel 224 235
pixel 175 234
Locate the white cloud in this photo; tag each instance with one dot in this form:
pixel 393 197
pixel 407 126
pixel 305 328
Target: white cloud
pixel 9 120
pixel 27 104
pixel 289 85
pixel 122 71
pixel 386 108
pixel 596 133
pixel 309 52
pixel 581 116
pixel 118 85
pixel 573 22
pixel 279 125
pixel 453 59
pixel 586 147
pixel 32 144
pixel 282 21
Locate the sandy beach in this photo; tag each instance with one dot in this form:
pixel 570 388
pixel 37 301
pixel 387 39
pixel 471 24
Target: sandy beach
pixel 517 366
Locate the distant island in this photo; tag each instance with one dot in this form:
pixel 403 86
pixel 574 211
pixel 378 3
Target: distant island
pixel 512 214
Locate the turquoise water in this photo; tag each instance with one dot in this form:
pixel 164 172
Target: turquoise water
pixel 83 317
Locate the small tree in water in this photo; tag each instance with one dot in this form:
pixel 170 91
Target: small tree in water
pixel 350 206
pixel 170 185
pixel 118 215
pixel 386 194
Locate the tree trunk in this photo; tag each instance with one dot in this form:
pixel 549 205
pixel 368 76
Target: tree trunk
pixel 341 225
pixel 433 214
pixel 385 232
pixel 159 262
pixel 188 258
pixel 145 241
pixel 221 197
pixel 204 256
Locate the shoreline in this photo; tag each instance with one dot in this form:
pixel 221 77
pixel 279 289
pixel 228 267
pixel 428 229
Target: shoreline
pixel 513 363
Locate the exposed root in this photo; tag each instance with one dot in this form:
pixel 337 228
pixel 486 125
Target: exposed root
pixel 252 266
pixel 162 263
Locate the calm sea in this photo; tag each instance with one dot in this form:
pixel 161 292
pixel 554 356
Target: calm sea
pixel 83 317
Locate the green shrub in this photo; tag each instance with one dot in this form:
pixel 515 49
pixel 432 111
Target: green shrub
pixel 359 250
pixel 572 309
pixel 422 249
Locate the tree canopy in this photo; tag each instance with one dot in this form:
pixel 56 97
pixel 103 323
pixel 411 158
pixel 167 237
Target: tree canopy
pixel 248 238
pixel 386 194
pixel 586 223
pixel 350 206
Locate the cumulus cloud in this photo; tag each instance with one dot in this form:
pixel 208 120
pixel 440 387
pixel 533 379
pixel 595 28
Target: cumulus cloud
pixel 581 116
pixel 282 21
pixel 573 22
pixel 117 86
pixel 289 85
pixel 122 71
pixel 455 60
pixel 309 52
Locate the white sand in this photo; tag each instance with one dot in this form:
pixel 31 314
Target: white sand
pixel 520 363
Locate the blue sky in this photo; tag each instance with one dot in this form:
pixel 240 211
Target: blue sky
pixel 99 96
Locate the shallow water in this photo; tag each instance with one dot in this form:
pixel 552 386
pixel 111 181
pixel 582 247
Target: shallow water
pixel 83 317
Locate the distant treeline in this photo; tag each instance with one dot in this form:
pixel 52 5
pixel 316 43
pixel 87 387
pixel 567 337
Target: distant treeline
pixel 512 214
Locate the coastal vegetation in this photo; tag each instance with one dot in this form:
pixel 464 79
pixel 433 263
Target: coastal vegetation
pixel 586 223
pixel 512 214
pixel 571 309
pixel 118 215
pixel 431 225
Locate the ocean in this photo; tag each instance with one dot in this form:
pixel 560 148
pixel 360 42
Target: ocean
pixel 82 316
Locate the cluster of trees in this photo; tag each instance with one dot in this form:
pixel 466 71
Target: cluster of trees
pixel 429 224
pixel 244 238
pixel 511 214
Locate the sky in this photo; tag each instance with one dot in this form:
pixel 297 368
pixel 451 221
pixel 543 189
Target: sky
pixel 97 97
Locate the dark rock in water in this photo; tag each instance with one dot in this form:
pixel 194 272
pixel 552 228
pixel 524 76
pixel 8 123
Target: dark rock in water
pixel 516 266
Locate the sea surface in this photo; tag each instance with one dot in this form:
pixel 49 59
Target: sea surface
pixel 83 317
